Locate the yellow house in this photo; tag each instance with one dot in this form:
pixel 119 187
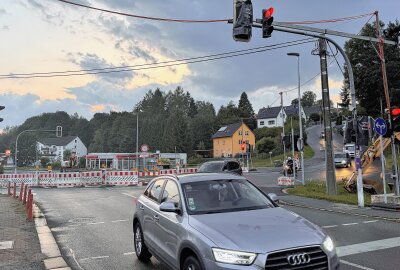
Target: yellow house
pixel 228 139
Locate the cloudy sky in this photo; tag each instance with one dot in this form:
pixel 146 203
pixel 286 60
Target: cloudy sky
pixel 48 35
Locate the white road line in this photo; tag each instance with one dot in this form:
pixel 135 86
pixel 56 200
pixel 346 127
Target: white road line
pixel 349 224
pixel 329 226
pixel 120 220
pixel 126 194
pixel 370 221
pixel 355 265
pixel 100 257
pixel 95 223
pixel 129 253
pixel 368 246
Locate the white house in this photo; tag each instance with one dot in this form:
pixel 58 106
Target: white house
pixel 276 116
pixel 54 148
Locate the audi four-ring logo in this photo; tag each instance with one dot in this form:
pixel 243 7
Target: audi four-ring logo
pixel 298 259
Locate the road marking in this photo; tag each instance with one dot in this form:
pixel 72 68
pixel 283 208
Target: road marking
pixel 120 220
pixel 370 221
pixel 355 265
pixel 330 226
pixel 126 194
pixel 129 253
pixel 100 257
pixel 95 223
pixel 368 246
pixel 349 224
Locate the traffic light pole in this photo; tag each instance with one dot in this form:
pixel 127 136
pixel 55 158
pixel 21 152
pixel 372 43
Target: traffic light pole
pixel 292 30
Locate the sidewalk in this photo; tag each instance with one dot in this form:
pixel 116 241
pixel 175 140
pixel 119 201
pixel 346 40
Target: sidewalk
pixel 339 208
pixel 19 242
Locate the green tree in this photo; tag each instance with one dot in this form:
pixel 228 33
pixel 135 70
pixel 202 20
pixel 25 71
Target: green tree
pixel 228 115
pixel 265 145
pixel 367 71
pixel 67 154
pixel 308 99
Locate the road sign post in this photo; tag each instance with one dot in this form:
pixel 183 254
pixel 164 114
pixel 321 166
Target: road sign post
pixel 381 129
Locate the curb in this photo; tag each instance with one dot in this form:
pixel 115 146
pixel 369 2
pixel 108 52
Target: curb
pixel 48 244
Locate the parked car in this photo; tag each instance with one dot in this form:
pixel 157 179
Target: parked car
pixel 222 221
pixel 350 148
pixel 221 166
pixel 342 160
pixel 322 135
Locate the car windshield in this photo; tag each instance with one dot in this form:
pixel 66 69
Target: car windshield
pixel 211 167
pixel 350 147
pixel 341 155
pixel 219 196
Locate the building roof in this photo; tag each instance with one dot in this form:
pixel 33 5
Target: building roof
pixel 270 112
pixel 227 131
pixel 292 110
pixel 310 110
pixel 62 141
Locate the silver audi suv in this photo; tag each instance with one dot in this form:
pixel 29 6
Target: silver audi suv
pixel 221 221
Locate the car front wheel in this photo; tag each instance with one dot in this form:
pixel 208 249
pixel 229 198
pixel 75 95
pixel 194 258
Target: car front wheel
pixel 141 250
pixel 191 263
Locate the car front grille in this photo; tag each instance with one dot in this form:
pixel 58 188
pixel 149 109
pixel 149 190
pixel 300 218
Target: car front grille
pixel 308 258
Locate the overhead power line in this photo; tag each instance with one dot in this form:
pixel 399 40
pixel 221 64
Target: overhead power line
pixel 204 21
pixel 140 16
pixel 157 65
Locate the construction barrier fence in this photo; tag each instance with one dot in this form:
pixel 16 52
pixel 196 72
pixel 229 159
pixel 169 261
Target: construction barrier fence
pixel 91 178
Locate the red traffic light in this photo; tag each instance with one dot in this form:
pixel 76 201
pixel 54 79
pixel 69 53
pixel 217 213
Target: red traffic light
pixel 243 146
pixel 268 13
pixel 395 112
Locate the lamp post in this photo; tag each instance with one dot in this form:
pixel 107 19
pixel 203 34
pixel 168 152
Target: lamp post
pixel 300 118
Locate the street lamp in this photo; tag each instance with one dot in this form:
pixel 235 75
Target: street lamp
pixel 300 118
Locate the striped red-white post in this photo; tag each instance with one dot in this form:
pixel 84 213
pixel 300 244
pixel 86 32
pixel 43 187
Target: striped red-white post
pixel 25 191
pixel 15 190
pixel 30 207
pixel 9 188
pixel 21 188
pixel 29 194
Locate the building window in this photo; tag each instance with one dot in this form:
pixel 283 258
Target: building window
pixel 246 133
pixel 247 141
pixel 240 133
pixel 240 141
pixel 271 122
pixel 261 123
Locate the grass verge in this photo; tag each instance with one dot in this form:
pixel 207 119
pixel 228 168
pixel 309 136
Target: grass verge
pixel 266 162
pixel 317 190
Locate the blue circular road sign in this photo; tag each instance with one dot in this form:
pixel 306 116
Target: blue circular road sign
pixel 380 126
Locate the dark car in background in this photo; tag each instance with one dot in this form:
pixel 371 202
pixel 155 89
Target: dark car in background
pixel 218 166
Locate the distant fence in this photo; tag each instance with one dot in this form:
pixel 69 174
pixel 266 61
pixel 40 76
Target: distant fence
pixel 94 178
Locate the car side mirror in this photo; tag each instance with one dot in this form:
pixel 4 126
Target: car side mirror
pixel 273 197
pixel 169 207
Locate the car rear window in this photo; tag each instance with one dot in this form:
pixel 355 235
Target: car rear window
pixel 211 167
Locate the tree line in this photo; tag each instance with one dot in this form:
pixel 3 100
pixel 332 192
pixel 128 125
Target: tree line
pixel 168 121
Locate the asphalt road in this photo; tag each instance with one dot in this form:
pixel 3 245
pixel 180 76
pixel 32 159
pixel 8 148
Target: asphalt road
pixel 93 227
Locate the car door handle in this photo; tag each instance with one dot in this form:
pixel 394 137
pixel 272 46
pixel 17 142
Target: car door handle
pixel 156 217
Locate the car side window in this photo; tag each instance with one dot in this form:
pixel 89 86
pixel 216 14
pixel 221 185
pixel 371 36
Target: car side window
pixel 171 193
pixel 155 190
pixel 233 166
pixel 147 191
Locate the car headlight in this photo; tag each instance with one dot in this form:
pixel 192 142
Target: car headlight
pixel 328 244
pixel 343 161
pixel 233 257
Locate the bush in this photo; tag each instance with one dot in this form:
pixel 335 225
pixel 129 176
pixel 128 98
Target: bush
pixel 195 159
pixel 82 162
pixel 44 161
pixel 315 117
pixel 267 132
pixel 265 145
pixel 56 165
pixel 1 169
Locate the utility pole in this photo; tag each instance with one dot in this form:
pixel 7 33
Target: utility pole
pixel 326 110
pixel 387 96
pixel 283 126
pixel 292 139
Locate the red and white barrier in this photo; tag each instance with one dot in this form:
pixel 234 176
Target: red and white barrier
pixel 73 179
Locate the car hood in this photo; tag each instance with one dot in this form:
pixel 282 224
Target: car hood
pixel 339 159
pixel 258 231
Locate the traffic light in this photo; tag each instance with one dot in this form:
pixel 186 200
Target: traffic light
pixel 242 20
pixel 267 21
pixel 363 135
pixel 243 146
pixel 395 114
pixel 2 108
